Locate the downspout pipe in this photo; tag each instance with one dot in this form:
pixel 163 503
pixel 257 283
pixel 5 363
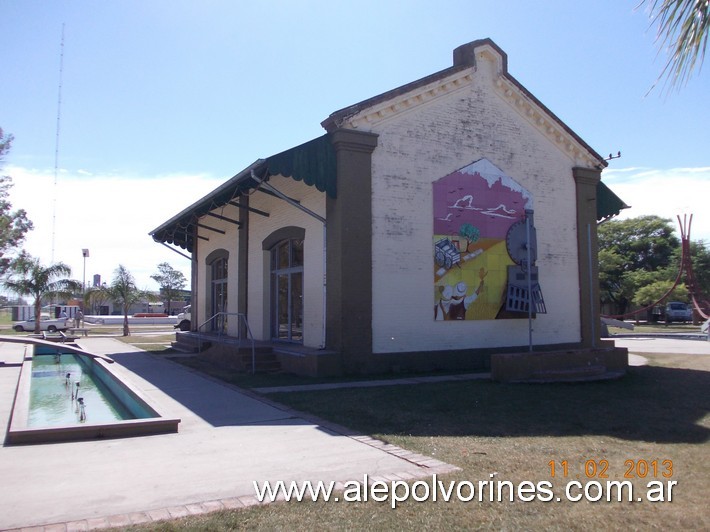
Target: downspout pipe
pixel 591 286
pixel 531 299
pixel 267 186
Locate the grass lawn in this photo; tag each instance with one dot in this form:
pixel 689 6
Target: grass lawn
pixel 656 413
pixel 157 342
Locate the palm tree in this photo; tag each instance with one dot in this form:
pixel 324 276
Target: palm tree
pixel 124 292
pixel 29 278
pixel 683 29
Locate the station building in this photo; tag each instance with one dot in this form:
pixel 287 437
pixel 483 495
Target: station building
pixel 446 224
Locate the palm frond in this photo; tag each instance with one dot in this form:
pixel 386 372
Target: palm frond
pixel 683 31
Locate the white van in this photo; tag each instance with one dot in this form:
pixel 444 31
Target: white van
pixel 183 319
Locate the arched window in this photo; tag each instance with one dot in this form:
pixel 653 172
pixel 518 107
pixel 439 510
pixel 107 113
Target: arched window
pixel 218 262
pixel 287 290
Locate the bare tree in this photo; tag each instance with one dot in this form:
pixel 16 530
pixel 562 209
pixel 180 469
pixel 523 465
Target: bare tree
pixel 171 282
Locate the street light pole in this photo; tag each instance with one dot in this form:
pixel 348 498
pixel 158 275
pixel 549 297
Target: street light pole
pixel 85 253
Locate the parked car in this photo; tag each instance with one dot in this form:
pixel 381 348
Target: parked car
pixel 677 311
pixel 45 324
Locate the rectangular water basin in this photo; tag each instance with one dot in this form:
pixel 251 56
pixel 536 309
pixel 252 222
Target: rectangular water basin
pixel 50 407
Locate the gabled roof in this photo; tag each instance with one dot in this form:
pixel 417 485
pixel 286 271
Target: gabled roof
pixel 465 64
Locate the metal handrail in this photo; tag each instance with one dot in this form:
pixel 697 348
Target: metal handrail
pixel 241 316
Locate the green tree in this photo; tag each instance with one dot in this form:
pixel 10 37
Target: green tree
pixel 96 297
pixel 124 292
pixel 682 31
pixel 171 282
pixel 29 278
pixel 14 225
pixel 651 293
pixel 470 233
pixel 639 260
pixel 634 253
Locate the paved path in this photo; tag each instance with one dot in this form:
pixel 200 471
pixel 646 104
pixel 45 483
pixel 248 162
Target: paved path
pixel 226 440
pixel 640 346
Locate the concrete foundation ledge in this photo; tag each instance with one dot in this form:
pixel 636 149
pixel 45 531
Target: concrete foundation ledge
pixel 310 363
pixel 560 366
pixel 119 429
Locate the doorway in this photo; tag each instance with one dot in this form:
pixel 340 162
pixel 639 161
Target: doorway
pixel 287 291
pixel 219 295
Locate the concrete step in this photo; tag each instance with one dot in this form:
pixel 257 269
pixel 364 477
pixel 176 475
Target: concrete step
pixel 229 352
pixel 188 347
pixel 183 348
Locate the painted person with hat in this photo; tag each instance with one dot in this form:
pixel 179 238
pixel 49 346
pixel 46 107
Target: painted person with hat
pixel 441 309
pixel 455 302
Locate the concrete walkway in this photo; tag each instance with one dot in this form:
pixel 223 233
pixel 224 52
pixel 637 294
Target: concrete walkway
pixel 227 439
pixel 651 345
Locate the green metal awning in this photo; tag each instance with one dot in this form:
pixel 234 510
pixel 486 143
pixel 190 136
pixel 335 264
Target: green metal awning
pixel 608 203
pixel 313 162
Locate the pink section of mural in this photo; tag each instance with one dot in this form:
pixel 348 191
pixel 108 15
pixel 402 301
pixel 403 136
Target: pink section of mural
pixel 464 198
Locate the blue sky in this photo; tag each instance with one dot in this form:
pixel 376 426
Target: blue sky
pixel 164 100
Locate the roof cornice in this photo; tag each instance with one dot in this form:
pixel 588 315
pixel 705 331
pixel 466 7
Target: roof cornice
pixel 401 103
pixel 547 123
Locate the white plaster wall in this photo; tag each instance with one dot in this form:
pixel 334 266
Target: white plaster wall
pixel 430 141
pixel 281 214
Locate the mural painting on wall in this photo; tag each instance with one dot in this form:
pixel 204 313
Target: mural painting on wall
pixel 474 208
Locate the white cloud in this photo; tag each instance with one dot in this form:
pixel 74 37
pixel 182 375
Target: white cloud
pixel 110 215
pixel 668 193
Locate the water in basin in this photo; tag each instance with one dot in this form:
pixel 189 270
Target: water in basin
pixel 54 394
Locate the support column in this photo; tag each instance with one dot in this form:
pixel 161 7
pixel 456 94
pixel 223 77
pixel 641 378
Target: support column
pixel 243 262
pixel 195 289
pixel 587 180
pixel 349 250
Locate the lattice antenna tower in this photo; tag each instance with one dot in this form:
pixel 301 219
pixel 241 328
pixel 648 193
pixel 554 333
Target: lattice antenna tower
pixel 56 142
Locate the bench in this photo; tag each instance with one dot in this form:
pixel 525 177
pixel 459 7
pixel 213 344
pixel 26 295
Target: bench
pixel 82 330
pixel 58 336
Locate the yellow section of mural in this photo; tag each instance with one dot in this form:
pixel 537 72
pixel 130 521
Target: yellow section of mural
pixel 487 258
